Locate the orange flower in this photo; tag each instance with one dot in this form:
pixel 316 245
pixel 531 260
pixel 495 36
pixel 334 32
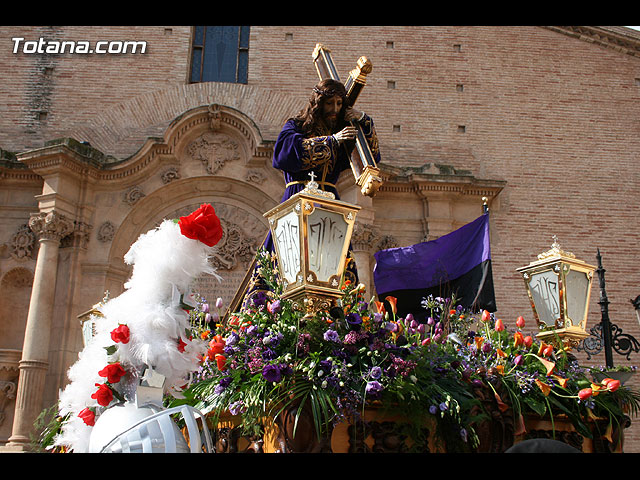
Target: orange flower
pixel 393 301
pixel 561 381
pixel 546 389
pixel 500 353
pixel 501 405
pixel 528 341
pixel 380 307
pixel 548 365
pixel 205 334
pixel 520 322
pixel 500 369
pixel 221 361
pixel 486 316
pixel 518 339
pixel 545 349
pixel 479 341
pixel 452 312
pixel 499 326
pixel 596 388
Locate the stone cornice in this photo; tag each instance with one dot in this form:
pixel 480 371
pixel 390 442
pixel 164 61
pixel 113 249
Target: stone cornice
pixel 617 38
pixel 437 178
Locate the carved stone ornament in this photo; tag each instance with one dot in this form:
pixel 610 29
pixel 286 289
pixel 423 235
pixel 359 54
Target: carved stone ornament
pixel 106 232
pixel 388 241
pixel 214 150
pixel 50 225
pixel 170 175
pixel 255 176
pixel 364 237
pixel 234 247
pixel 79 237
pixel 215 116
pixel 132 195
pixel 22 243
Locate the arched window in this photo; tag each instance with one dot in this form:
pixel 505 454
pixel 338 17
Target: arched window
pixel 220 54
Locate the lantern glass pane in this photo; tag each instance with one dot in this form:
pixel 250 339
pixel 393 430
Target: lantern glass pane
pixel 544 290
pixel 287 237
pixel 326 235
pixel 577 291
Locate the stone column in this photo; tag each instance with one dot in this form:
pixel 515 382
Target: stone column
pixel 50 227
pixel 362 242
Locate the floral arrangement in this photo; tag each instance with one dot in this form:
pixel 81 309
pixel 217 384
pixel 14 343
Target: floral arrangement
pixel 147 326
pixel 360 353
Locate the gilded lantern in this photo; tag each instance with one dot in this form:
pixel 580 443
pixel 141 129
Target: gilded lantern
pixel 311 233
pixel 559 288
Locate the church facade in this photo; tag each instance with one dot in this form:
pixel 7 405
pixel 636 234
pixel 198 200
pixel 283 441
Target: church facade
pixel 541 123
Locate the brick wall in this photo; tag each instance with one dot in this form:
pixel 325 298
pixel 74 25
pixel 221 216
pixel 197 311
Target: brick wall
pixel 557 117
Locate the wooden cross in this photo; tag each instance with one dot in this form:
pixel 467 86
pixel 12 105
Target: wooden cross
pixel 363 165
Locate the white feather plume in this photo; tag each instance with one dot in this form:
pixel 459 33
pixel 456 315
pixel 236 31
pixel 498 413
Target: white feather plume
pixel 165 263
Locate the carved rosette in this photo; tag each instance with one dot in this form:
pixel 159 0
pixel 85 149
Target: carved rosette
pixel 22 243
pixel 50 225
pixel 106 232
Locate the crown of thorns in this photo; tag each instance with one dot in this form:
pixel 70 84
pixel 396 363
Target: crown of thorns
pixel 327 92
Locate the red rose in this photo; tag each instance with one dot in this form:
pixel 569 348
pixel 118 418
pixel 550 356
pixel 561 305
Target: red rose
pixel 203 225
pixel 103 395
pixel 113 372
pixel 120 334
pixel 88 416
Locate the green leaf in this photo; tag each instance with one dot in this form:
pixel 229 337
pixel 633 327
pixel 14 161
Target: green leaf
pixel 535 404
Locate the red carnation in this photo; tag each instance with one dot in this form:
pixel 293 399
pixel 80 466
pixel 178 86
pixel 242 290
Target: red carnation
pixel 113 372
pixel 120 334
pixel 88 416
pixel 103 395
pixel 203 225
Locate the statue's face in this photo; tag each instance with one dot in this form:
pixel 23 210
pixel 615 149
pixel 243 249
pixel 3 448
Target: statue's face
pixel 331 108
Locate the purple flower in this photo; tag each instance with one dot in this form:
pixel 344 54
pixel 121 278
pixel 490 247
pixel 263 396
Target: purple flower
pixel 518 360
pixel 236 407
pixel 376 372
pixel 219 303
pixel 373 387
pixel 331 336
pixel 271 373
pixel 205 308
pixel 433 409
pixel 274 307
pixel 259 298
pixel 354 320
